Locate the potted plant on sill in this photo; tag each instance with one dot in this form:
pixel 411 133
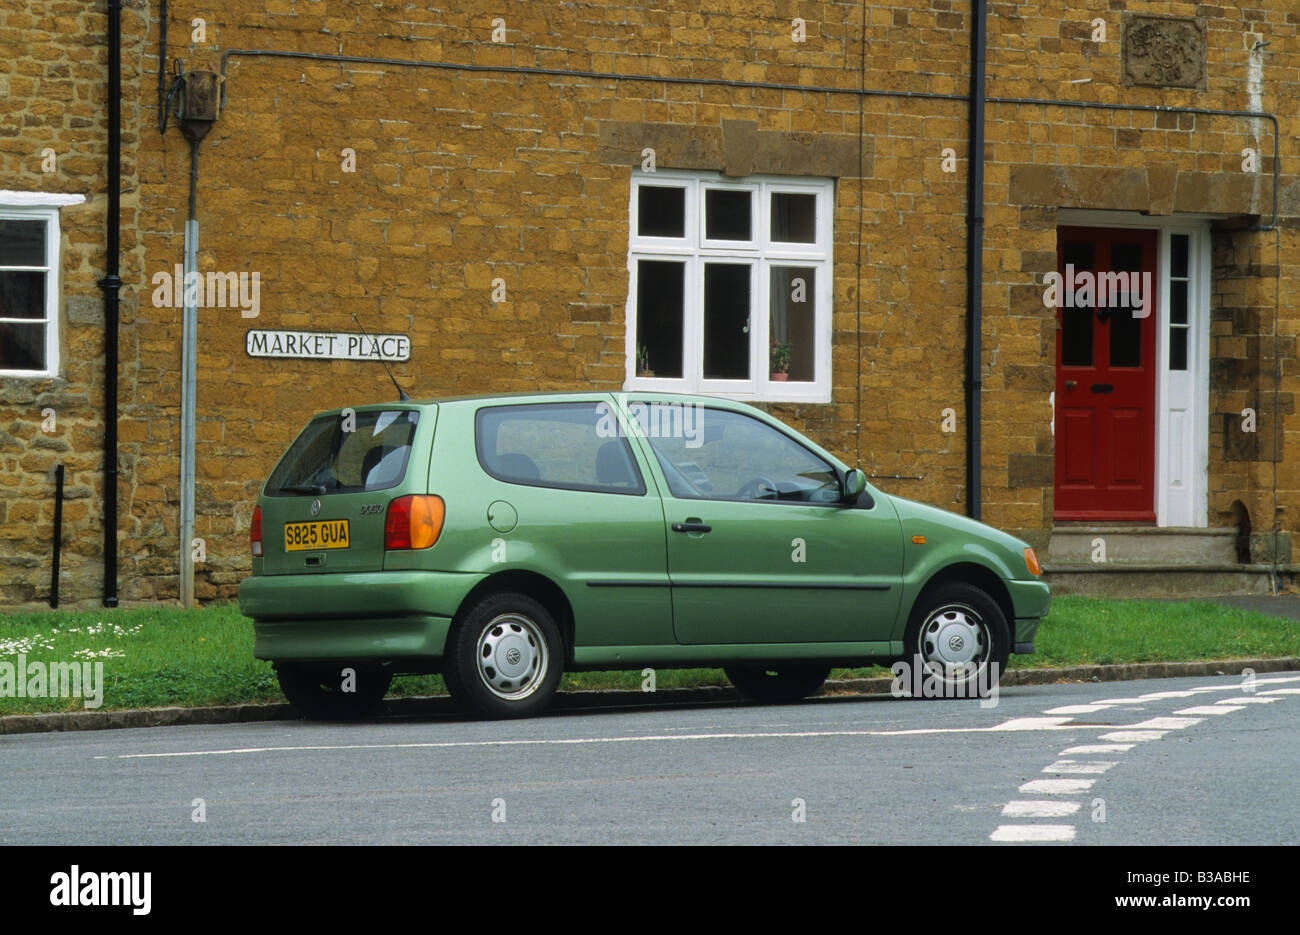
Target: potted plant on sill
pixel 779 359
pixel 643 361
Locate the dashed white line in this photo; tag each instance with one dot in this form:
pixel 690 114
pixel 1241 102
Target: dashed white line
pixel 1166 723
pixel 1056 786
pixel 1137 736
pixel 1219 708
pixel 1248 699
pixel 1078 766
pixel 1034 833
pixel 1039 808
pixel 1098 748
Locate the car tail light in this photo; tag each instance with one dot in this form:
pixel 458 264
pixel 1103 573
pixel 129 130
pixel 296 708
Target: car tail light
pixel 255 532
pixel 413 522
pixel 1031 562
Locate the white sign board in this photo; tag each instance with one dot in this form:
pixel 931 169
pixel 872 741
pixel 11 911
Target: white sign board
pixel 328 345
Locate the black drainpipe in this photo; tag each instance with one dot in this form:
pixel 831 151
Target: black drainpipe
pixel 111 284
pixel 975 260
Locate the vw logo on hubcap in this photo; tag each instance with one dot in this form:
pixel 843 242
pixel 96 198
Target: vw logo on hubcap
pixel 513 656
pixel 955 643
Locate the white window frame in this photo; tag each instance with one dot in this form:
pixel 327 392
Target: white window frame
pixel 49 213
pixel 762 253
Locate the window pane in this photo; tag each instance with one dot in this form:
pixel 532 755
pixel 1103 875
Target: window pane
pixel 660 298
pixel 661 211
pixel 794 218
pixel 726 321
pixel 737 457
pixel 791 328
pixel 22 295
pixel 22 243
pixel 1177 348
pixel 1125 339
pixel 577 446
pixel 1178 255
pixel 22 347
pixel 1178 302
pixel 1076 323
pixel 371 456
pixel 727 215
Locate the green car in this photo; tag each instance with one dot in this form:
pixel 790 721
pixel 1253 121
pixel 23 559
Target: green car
pixel 504 540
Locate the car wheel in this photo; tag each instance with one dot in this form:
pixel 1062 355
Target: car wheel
pixel 958 641
pixel 779 684
pixel 333 693
pixel 504 657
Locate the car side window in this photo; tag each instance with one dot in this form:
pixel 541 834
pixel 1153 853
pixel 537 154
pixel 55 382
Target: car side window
pixel 572 446
pixel 738 457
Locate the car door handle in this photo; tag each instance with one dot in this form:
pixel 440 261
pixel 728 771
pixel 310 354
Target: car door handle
pixel 1103 387
pixel 692 527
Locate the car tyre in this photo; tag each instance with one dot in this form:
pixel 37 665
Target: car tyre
pixel 777 685
pixel 504 657
pixel 958 643
pixel 318 691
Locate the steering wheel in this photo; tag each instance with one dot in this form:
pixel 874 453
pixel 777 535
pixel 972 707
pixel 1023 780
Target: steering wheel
pixel 752 489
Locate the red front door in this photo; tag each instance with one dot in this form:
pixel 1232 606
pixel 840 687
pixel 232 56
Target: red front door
pixel 1105 374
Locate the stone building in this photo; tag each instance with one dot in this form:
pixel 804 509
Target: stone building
pixel 612 194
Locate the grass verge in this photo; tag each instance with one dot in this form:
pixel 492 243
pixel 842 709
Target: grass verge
pixel 167 656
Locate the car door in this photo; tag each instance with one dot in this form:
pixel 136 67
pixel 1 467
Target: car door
pixel 760 548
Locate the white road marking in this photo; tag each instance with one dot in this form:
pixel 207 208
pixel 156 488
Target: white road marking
pixel 1098 748
pixel 1013 724
pixel 1032 723
pixel 1039 808
pixel 1056 786
pixel 1166 723
pixel 1248 699
pixel 1134 735
pixel 1034 833
pixel 1282 691
pixel 1078 709
pixel 1156 696
pixel 1078 766
pixel 1218 708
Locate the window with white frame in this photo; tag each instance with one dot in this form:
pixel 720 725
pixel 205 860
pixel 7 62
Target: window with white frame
pixel 29 279
pixel 730 285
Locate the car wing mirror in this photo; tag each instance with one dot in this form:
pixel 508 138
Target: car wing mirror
pixel 852 485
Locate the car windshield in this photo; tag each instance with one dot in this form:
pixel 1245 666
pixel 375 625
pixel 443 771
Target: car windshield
pixel 349 452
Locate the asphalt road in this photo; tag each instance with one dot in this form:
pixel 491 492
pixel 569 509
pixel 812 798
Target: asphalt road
pixel 1166 761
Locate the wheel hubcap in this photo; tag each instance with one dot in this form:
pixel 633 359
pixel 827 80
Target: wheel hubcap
pixel 511 657
pixel 954 643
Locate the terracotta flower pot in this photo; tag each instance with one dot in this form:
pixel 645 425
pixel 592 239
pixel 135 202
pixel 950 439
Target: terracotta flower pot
pixel 778 377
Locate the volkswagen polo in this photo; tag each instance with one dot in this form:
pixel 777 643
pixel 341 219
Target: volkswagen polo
pixel 501 541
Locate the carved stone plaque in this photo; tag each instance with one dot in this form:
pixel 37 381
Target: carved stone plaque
pixel 1164 51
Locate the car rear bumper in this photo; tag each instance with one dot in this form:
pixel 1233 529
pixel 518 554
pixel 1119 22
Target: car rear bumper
pixel 372 616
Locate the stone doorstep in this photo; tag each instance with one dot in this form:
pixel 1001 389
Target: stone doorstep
pixel 1142 545
pixel 441 704
pixel 1181 581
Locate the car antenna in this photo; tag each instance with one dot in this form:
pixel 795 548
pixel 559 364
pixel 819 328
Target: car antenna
pixel 401 393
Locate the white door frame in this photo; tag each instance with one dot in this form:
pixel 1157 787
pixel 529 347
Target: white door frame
pixel 1182 397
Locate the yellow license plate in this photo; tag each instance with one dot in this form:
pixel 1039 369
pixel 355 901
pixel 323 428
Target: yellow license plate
pixel 318 534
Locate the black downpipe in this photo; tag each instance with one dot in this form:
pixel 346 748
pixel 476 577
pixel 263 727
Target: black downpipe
pixel 975 260
pixel 112 284
pixel 58 536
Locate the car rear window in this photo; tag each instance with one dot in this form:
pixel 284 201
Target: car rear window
pixel 574 446
pixel 348 453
